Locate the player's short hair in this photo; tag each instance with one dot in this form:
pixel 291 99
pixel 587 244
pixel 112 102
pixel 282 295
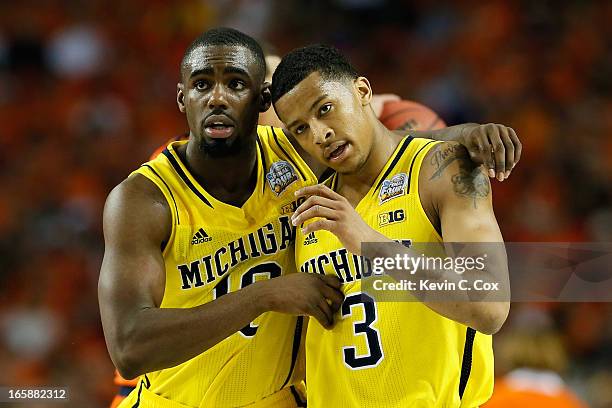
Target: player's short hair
pixel 301 62
pixel 226 36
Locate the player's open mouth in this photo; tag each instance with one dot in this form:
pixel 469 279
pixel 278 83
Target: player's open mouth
pixel 218 126
pixel 337 152
pixel 219 131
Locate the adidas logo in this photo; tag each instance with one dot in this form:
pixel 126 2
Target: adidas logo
pixel 200 237
pixel 310 239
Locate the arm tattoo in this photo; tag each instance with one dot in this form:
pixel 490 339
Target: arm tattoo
pixel 442 159
pixel 469 182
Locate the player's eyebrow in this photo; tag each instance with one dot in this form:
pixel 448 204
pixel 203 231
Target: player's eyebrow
pixel 315 103
pixel 236 70
pixel 226 70
pixel 202 71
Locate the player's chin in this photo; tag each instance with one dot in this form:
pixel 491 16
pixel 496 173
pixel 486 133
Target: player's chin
pixel 348 166
pixel 342 161
pixel 217 147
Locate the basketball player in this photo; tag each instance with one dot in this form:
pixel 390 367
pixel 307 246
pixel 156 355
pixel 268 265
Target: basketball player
pixel 385 354
pixel 192 239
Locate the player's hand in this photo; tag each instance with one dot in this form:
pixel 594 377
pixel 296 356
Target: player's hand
pixel 378 102
pixel 495 146
pixel 305 294
pixel 336 215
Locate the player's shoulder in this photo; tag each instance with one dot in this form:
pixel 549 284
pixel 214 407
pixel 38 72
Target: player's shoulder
pixel 444 159
pixel 271 137
pixel 272 140
pixel 136 187
pixel 279 145
pixel 447 171
pixel 136 198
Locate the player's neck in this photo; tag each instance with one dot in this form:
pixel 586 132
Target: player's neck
pixel 230 179
pixel 356 185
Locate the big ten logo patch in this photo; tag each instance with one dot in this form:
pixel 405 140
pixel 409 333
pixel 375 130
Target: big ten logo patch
pixel 391 217
pixel 292 206
pixel 393 188
pixel 280 176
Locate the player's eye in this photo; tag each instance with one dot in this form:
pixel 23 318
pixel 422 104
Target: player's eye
pixel 200 85
pixel 325 109
pixel 237 84
pixel 300 129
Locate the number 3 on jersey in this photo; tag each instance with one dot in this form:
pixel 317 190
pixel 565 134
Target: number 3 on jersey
pixel 364 327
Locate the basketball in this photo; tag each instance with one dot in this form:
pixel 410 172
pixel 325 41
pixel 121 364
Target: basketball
pixel 405 115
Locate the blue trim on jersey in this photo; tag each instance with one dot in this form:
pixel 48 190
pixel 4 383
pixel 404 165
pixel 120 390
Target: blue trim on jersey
pixel 403 147
pixel 263 162
pixel 178 220
pixel 286 154
pixel 413 160
pixel 297 339
pixel 466 363
pixel 296 396
pixel 183 176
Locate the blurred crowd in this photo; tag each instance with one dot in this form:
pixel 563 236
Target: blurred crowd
pixel 87 91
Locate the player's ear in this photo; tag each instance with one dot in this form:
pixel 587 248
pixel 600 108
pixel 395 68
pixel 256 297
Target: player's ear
pixel 266 97
pixel 364 90
pixel 180 97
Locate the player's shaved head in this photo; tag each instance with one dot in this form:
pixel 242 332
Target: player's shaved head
pixel 301 62
pixel 224 36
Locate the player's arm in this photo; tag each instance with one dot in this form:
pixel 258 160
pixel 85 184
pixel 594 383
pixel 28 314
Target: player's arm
pixel 141 336
pixel 456 192
pixel 495 146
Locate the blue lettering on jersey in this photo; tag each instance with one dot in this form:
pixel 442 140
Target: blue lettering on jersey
pixel 267 240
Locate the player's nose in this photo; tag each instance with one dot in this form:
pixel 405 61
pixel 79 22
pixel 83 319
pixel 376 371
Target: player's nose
pixel 323 134
pixel 218 99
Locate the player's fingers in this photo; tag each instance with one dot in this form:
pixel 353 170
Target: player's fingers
pixel 509 146
pixel 476 151
pixel 314 212
pixel 318 314
pixel 333 296
pixel 518 147
pixel 317 226
pixel 331 280
pixel 487 155
pixel 499 151
pixel 320 190
pixel 312 201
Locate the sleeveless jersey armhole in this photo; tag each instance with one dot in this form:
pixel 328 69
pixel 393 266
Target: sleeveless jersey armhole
pixel 413 177
pixel 150 173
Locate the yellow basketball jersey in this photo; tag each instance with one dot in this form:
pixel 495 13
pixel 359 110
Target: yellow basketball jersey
pixel 216 248
pixel 389 354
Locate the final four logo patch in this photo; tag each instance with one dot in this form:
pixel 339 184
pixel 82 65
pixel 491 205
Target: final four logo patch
pixel 280 176
pixel 393 188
